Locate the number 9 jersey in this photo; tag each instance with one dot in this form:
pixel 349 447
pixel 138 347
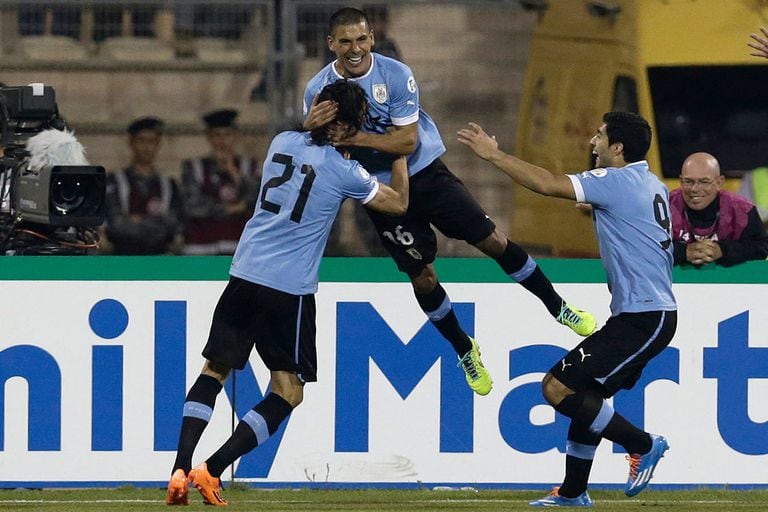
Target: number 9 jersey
pixel 632 222
pixel 302 188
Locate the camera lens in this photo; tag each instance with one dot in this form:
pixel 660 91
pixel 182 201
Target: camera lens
pixel 68 193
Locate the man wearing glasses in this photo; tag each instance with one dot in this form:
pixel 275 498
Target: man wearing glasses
pixel 713 225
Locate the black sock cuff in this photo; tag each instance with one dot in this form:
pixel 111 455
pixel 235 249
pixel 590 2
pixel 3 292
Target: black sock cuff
pixel 570 405
pixel 274 409
pixel 204 390
pixel 513 259
pixel 431 301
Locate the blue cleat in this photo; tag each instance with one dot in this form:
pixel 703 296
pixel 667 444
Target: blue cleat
pixel 641 466
pixel 555 500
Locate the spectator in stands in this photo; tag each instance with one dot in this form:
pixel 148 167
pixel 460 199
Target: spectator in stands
pixel 713 225
pixel 220 189
pixel 143 205
pixel 754 188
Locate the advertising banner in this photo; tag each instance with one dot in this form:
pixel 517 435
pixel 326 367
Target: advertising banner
pixel 94 372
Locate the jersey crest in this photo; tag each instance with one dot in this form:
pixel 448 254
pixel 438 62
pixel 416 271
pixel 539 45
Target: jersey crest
pixel 380 93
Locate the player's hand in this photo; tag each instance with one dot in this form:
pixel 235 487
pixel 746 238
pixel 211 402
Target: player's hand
pixel 759 43
pixel 584 208
pixel 478 141
pixel 320 114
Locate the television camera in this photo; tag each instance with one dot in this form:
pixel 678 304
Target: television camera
pixel 50 198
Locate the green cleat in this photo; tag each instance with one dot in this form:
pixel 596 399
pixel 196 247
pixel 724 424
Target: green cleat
pixel 582 322
pixel 477 376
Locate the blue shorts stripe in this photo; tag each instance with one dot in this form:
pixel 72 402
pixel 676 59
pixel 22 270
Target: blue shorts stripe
pixel 298 332
pixel 258 424
pixel 653 337
pixel 525 272
pixel 197 410
pixel 602 419
pixel 580 451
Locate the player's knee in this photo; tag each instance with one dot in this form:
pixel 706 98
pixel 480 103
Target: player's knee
pixel 425 282
pixel 294 395
pixel 288 386
pixel 218 371
pixel 494 244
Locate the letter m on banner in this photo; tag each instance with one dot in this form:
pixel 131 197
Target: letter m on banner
pixel 362 336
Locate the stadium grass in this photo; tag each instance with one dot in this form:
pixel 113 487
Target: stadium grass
pixel 129 499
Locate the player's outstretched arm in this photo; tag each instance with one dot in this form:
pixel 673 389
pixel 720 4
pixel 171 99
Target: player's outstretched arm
pixel 528 175
pixel 399 140
pixel 393 199
pixel 759 43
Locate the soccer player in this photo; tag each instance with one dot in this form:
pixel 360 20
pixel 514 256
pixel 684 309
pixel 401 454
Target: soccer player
pixel 632 221
pixel 398 126
pixel 269 302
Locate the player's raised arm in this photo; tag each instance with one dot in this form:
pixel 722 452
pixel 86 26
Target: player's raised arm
pixel 528 175
pixel 393 199
pixel 759 43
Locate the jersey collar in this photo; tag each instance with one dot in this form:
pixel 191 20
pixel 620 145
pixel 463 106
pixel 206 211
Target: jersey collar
pixel 356 78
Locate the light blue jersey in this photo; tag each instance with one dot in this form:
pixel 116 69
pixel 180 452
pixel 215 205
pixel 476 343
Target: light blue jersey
pixel 393 100
pixel 632 222
pixel 302 188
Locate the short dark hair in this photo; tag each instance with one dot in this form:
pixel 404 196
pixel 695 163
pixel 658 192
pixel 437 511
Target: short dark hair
pixel 631 130
pixel 347 16
pixel 352 108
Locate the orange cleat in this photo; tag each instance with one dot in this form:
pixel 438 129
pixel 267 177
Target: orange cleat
pixel 177 489
pixel 208 485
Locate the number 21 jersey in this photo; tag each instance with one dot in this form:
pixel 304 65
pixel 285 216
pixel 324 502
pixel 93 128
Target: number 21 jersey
pixel 302 188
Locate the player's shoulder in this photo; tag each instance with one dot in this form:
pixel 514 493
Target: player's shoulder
pixel 598 173
pixel 628 172
pixel 392 68
pixel 355 172
pixel 289 142
pixel 389 62
pixel 289 137
pixel 322 78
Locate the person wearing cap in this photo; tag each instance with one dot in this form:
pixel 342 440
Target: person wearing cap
pixel 219 189
pixel 143 205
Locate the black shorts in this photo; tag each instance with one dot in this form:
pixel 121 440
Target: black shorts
pixel 614 357
pixel 281 326
pixel 439 198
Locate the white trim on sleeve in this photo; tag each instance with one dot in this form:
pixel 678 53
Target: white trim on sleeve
pixel 577 188
pixel 405 121
pixel 374 191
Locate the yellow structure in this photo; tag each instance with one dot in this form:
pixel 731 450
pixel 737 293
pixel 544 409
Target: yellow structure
pixel 682 64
